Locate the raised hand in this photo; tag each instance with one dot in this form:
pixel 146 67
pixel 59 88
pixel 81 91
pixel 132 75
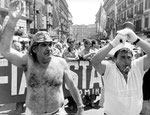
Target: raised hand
pixel 131 36
pixel 118 40
pixel 16 9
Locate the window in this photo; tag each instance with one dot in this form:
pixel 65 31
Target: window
pixel 136 9
pixel 141 6
pixel 146 22
pixel 128 12
pixel 7 3
pixel 132 10
pixel 147 4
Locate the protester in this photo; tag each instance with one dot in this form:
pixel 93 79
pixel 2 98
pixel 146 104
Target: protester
pixel 95 46
pixel 123 77
pixel 45 73
pixel 70 53
pixel 86 53
pixel 146 92
pixel 78 46
pixel 58 51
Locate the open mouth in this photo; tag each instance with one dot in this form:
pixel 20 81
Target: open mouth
pixel 127 69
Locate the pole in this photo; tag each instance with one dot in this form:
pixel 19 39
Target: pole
pixel 34 12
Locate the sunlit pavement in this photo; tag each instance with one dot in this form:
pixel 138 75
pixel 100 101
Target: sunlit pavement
pixel 8 109
pixel 89 110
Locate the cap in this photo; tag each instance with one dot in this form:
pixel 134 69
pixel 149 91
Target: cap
pixel 120 46
pixel 39 37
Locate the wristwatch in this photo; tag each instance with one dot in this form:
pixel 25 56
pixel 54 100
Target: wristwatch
pixel 81 107
pixel 134 43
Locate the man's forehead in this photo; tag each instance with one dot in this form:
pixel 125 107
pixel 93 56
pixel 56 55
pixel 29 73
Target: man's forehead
pixel 45 42
pixel 125 54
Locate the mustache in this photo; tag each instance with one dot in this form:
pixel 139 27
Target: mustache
pixel 49 51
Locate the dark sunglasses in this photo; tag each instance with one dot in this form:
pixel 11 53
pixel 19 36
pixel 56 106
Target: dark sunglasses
pixel 71 42
pixel 87 43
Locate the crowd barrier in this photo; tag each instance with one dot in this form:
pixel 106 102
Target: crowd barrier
pixel 13 81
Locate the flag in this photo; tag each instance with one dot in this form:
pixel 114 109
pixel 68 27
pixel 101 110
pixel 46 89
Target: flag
pixel 56 20
pixel 39 4
pixel 102 18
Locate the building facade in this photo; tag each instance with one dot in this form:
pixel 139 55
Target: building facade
pixel 53 17
pixel 62 20
pixel 111 11
pixel 81 32
pixel 24 23
pixel 136 11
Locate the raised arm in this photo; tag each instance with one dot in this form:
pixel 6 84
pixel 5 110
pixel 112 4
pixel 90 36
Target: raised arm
pixel 136 40
pixel 14 14
pixel 103 52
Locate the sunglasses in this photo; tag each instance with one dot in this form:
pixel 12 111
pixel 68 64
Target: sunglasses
pixel 87 43
pixel 71 42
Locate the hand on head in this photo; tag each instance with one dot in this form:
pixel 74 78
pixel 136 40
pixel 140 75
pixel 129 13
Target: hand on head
pixel 118 40
pixel 131 36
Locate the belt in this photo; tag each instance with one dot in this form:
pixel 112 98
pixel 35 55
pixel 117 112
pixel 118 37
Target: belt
pixel 53 113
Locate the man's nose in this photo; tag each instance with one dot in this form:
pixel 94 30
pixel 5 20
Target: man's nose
pixel 127 61
pixel 48 47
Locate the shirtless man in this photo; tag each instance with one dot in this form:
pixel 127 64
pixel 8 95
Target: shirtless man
pixel 44 72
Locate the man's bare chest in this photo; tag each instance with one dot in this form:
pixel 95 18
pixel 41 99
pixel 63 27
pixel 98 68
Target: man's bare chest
pixel 50 77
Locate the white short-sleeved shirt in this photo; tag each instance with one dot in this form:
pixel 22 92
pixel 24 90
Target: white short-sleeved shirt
pixel 121 97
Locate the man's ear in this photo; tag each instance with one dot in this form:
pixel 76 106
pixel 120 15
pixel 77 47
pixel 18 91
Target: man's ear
pixel 34 49
pixel 114 59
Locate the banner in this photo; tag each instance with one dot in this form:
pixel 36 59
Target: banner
pixel 13 81
pixel 102 18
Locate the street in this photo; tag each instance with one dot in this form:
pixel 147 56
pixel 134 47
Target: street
pixel 8 109
pixel 96 110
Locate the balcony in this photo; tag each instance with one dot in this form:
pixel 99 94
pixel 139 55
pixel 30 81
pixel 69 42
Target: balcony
pixel 124 6
pixel 130 15
pixel 140 12
pixel 123 19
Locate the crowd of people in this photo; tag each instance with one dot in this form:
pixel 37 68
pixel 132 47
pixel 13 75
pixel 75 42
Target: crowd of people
pixel 123 63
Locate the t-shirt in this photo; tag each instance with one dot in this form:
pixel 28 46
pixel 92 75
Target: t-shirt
pixel 121 97
pixel 146 85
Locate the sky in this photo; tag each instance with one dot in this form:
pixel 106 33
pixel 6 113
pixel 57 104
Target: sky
pixel 84 11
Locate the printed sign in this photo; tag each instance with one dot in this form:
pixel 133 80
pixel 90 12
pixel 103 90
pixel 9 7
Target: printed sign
pixel 13 81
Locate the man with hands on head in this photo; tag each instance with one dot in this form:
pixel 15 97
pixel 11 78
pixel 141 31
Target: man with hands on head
pixel 44 72
pixel 123 77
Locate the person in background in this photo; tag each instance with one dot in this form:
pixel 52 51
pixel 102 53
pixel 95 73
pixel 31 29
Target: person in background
pixel 95 46
pixel 86 53
pixel 78 46
pixel 45 73
pixel 70 53
pixel 58 51
pixel 146 92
